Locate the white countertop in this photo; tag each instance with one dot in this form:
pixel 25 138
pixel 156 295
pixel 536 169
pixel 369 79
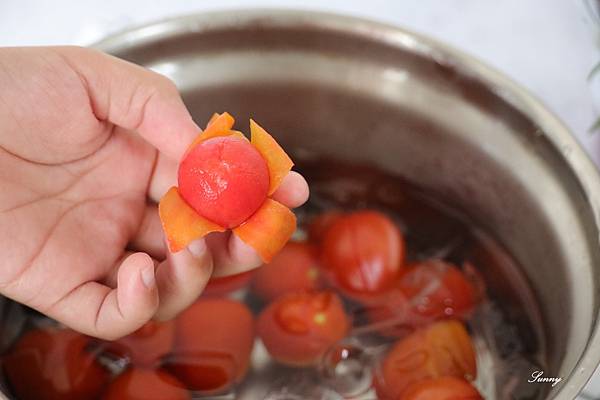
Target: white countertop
pixel 548 46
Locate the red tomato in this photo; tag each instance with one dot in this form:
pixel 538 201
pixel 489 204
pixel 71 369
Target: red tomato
pixel 442 349
pixel 444 388
pixel 425 292
pixel 225 179
pixel 213 344
pixel 320 224
pixel 147 345
pixel 146 384
pixel 222 286
pixel 298 328
pixel 438 289
pixel 294 269
pixel 53 364
pixel 364 252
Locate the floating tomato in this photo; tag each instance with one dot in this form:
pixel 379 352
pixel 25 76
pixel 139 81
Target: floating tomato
pixel 442 349
pixel 364 252
pixel 294 269
pixel 213 345
pixel 425 292
pixel 146 384
pixel 147 345
pixel 225 285
pixel 53 364
pixel 298 328
pixel 444 388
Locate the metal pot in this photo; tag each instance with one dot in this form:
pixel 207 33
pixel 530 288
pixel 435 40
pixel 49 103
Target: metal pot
pixel 361 91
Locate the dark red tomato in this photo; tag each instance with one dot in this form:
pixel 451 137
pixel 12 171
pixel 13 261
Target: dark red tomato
pixel 213 345
pixel 225 285
pixel 147 345
pixel 225 179
pixel 444 388
pixel 298 328
pixel 320 224
pixel 437 289
pixel 146 384
pixel 442 349
pixel 294 269
pixel 364 252
pixel 53 364
pixel 425 292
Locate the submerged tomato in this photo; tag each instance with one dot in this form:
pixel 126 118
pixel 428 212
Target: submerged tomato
pixel 364 252
pixel 425 292
pixel 213 344
pixel 53 364
pixel 146 384
pixel 444 388
pixel 320 224
pixel 225 179
pixel 294 269
pixel 298 328
pixel 442 349
pixel 147 345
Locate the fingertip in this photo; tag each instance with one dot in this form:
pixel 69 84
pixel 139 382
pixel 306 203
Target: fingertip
pixel 293 191
pixel 136 288
pixel 242 258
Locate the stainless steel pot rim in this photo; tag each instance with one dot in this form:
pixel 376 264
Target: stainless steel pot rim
pixel 514 94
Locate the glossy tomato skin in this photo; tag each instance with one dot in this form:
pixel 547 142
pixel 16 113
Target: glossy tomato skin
pixel 146 384
pixel 213 344
pixel 425 292
pixel 298 328
pixel 441 349
pixel 225 179
pixel 443 388
pixel 363 252
pixel 146 346
pixel 223 286
pixel 54 364
pixel 294 269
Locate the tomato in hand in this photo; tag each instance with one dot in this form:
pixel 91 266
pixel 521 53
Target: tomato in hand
pixel 146 384
pixel 54 364
pixel 444 388
pixel 225 179
pixel 442 349
pixel 364 252
pixel 214 340
pixel 222 286
pixel 294 269
pixel 298 328
pixel 147 345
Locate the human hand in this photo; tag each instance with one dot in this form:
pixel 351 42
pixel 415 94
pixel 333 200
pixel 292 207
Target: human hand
pixel 88 145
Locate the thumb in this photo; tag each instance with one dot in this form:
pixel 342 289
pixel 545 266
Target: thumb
pixel 135 98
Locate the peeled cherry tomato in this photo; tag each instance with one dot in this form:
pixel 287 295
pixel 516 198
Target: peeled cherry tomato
pixel 294 269
pixel 364 252
pixel 53 364
pixel 147 345
pixel 442 349
pixel 146 384
pixel 298 328
pixel 438 289
pixel 225 179
pixel 222 286
pixel 444 388
pixel 213 344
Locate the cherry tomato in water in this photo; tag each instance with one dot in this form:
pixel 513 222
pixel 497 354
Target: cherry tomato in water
pixel 444 388
pixel 364 252
pixel 54 364
pixel 146 384
pixel 298 328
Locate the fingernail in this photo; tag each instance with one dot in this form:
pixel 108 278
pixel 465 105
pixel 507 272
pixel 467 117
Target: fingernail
pixel 148 277
pixel 197 248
